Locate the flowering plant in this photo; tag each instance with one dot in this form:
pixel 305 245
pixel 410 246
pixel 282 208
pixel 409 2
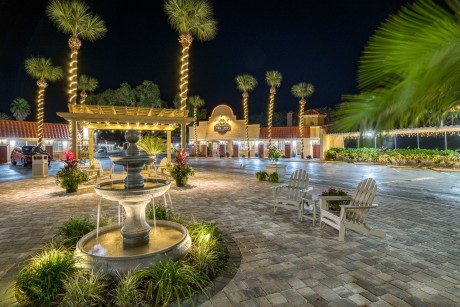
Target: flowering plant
pixel 181 170
pixel 274 154
pixel 334 205
pixel 70 176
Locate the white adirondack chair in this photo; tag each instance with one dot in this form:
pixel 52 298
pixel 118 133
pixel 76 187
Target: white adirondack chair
pixel 352 216
pixel 163 169
pixel 290 195
pixel 105 171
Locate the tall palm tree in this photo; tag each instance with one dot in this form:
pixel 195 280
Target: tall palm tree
pixel 20 108
pixel 246 83
pixel 302 90
pixel 86 84
pixel 189 18
pixel 43 70
pixel 409 66
pixel 196 102
pixel 273 79
pixel 74 18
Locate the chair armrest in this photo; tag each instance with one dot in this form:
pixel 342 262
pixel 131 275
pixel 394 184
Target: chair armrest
pixel 306 190
pixel 359 207
pixel 284 185
pixel 334 197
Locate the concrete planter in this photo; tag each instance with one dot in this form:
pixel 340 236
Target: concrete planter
pixel 278 168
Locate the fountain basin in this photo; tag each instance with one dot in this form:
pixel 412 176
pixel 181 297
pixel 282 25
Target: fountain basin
pixel 109 255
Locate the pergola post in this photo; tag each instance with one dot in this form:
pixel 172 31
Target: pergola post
pixel 445 140
pixel 168 146
pixel 73 135
pixel 91 144
pixel 183 135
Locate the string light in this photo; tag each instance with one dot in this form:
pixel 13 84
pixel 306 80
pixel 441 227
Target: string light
pixel 40 99
pixel 270 115
pixel 185 40
pixel 302 106
pixel 245 106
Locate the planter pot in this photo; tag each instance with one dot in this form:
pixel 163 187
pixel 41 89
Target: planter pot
pixel 180 182
pixel 278 168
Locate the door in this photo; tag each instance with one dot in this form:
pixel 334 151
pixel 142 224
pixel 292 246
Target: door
pixel 3 154
pixel 316 151
pixel 222 150
pixel 261 150
pixel 49 150
pixel 287 150
pixel 236 152
pixel 204 150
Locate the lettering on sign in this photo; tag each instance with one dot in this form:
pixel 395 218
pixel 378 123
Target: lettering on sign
pixel 222 127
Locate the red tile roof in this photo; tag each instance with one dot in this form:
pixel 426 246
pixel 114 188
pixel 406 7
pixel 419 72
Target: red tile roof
pixel 284 132
pixel 29 130
pixel 314 112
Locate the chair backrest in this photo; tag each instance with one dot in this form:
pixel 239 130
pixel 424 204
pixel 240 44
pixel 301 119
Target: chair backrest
pixel 363 196
pixel 163 162
pixel 299 181
pixel 97 164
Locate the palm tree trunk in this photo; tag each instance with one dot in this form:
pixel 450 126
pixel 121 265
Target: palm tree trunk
pixel 301 109
pixel 195 116
pixel 83 96
pixel 185 40
pixel 74 44
pixel 270 115
pixel 40 100
pixel 246 126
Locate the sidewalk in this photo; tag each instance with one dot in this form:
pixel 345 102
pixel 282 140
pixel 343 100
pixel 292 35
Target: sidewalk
pixel 284 262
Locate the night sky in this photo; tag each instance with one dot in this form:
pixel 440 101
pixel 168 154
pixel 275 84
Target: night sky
pixel 313 41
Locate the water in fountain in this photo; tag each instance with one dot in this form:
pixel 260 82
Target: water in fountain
pixel 138 245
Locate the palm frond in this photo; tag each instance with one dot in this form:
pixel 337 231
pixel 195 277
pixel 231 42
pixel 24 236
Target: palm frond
pixel 302 90
pixel 273 78
pixel 42 68
pixel 86 83
pixel 196 101
pixel 246 82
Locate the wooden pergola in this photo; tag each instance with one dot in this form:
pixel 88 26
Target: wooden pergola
pixel 123 118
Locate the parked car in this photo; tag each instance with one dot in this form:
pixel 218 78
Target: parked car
pixel 23 154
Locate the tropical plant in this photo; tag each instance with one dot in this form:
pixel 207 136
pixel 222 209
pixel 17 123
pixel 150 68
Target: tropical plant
pixel 73 17
pixel 274 177
pixel 85 85
pixel 74 229
pixel 127 292
pixel 261 176
pixel 42 70
pixel 302 90
pixel 334 205
pixel 169 280
pixel 3 115
pixel 189 18
pixel 246 83
pixel 159 212
pixel 42 278
pixel 20 108
pixel 70 176
pixel 84 289
pixel 407 73
pixel 274 154
pixel 152 145
pixel 196 103
pixel 181 170
pixel 273 79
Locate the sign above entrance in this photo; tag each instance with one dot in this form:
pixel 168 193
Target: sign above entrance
pixel 222 127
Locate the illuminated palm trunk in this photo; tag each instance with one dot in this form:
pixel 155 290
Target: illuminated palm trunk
pixel 195 116
pixel 40 101
pixel 270 115
pixel 74 44
pixel 246 127
pixel 302 106
pixel 185 40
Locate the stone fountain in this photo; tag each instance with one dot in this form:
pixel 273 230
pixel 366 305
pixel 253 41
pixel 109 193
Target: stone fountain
pixel 134 245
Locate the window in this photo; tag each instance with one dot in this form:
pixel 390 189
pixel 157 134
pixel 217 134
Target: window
pixel 58 146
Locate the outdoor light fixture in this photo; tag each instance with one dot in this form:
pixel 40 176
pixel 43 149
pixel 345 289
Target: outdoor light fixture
pixel 294 143
pixel 13 143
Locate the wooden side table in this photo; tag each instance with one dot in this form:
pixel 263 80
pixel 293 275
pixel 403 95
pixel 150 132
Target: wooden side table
pixel 308 203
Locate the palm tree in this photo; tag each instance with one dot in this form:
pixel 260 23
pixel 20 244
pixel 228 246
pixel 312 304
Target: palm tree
pixel 20 108
pixel 189 18
pixel 86 84
pixel 302 90
pixel 409 66
pixel 43 70
pixel 246 83
pixel 196 102
pixel 74 18
pixel 273 79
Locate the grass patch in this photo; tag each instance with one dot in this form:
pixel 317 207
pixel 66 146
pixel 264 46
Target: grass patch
pixel 74 229
pixel 84 289
pixel 127 292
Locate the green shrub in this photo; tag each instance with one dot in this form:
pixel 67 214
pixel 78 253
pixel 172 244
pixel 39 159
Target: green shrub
pixel 208 257
pixel 74 229
pixel 127 292
pixel 169 281
pixel 334 205
pixel 161 212
pixel 86 289
pixel 261 176
pixel 274 178
pixel 42 278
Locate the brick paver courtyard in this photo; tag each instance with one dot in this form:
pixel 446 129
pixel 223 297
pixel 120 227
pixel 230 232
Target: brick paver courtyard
pixel 284 262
